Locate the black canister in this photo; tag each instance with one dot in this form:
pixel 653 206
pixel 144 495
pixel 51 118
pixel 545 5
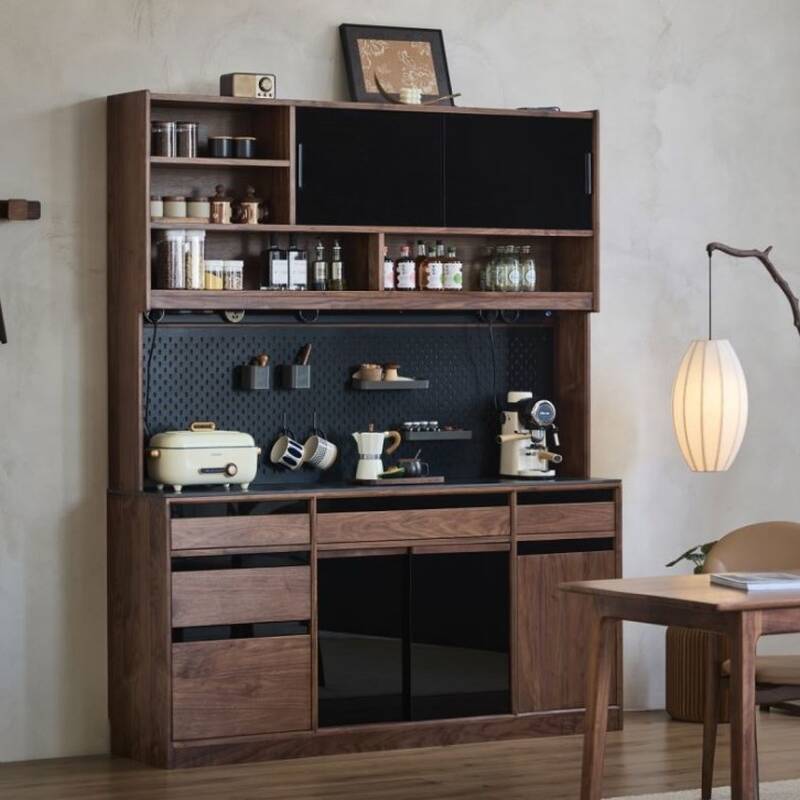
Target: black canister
pixel 244 146
pixel 220 146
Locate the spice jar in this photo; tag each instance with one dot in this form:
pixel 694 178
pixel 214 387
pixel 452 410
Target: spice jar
pixel 186 139
pixel 170 265
pixel 244 146
pixel 198 208
pixel 233 272
pixel 220 146
pixel 220 211
pixel 162 139
pixel 156 207
pixel 175 206
pixel 249 210
pixel 213 275
pixel 194 259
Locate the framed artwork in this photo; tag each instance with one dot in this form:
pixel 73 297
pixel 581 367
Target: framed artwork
pixel 396 58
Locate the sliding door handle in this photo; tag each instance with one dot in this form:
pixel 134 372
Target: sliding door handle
pixel 300 165
pixel 587 172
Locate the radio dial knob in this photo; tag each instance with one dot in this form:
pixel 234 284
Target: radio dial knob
pixel 231 469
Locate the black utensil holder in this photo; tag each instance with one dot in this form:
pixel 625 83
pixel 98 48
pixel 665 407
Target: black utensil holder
pixel 295 376
pixel 254 377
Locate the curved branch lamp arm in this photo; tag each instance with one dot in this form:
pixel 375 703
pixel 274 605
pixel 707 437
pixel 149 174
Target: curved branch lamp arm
pixel 763 257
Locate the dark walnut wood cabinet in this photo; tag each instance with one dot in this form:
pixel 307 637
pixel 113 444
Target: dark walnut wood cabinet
pixel 312 618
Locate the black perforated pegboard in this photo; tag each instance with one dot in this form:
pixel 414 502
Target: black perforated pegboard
pixel 193 377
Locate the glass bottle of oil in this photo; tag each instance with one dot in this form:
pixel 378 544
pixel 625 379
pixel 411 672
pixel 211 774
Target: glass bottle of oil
pixel 528 269
pixel 337 281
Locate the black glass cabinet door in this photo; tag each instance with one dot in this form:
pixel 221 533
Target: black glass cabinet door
pixel 363 622
pixel 518 172
pixel 459 661
pixel 369 168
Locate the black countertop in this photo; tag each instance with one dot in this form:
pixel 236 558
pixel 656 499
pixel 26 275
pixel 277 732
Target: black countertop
pixel 480 485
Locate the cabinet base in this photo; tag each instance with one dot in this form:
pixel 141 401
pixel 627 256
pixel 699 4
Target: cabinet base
pixel 211 752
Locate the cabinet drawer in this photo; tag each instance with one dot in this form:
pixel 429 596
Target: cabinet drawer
pixel 566 518
pixel 387 526
pixel 208 532
pixel 231 596
pixel 240 687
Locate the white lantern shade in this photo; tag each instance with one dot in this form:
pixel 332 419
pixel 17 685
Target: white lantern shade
pixel 709 405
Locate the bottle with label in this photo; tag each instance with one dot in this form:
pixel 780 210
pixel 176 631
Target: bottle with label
pixel 277 272
pixel 337 283
pixel 298 266
pixel 405 270
pixel 453 271
pixel 419 260
pixel 388 271
pixel 319 271
pixel 431 270
pixel 528 269
pixel 514 277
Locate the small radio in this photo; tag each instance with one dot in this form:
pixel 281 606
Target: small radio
pixel 247 84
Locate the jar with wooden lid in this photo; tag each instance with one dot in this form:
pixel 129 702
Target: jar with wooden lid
pixel 250 209
pixel 220 211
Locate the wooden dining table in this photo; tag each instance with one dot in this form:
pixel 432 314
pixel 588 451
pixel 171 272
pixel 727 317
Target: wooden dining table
pixel 690 601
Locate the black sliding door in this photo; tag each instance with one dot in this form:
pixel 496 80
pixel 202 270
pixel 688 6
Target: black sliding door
pixel 413 636
pixel 460 635
pixel 369 168
pixel 363 636
pixel 518 172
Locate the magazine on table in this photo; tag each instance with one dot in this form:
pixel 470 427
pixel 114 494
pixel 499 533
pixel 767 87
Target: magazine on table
pixel 758 581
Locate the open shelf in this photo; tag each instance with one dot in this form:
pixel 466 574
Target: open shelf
pixel 219 162
pixel 410 231
pixel 202 300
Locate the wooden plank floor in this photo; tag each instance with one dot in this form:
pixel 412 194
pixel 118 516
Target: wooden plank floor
pixel 652 754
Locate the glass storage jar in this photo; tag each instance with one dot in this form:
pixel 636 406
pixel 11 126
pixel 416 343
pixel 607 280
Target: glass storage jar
pixel 170 263
pixel 213 275
pixel 162 139
pixel 195 251
pixel 186 139
pixel 527 269
pixel 233 274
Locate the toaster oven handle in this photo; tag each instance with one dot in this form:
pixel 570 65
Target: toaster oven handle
pixel 203 426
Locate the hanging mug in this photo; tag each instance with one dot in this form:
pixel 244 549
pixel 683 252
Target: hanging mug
pixel 287 451
pixel 319 451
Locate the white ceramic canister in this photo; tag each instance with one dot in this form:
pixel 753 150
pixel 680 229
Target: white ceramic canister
pixel 175 207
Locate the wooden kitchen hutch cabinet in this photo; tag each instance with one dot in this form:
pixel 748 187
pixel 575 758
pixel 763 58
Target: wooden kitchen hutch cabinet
pixel 316 616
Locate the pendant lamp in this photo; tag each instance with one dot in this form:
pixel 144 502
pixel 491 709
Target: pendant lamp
pixel 709 396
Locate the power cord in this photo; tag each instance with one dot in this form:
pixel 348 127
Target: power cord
pixel 151 350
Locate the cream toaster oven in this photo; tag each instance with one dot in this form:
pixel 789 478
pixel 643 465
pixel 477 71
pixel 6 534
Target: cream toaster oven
pixel 202 456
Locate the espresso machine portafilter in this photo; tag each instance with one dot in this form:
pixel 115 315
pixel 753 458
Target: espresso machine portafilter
pixel 527 426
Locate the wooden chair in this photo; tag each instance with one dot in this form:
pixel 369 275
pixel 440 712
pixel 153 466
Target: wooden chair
pixel 764 547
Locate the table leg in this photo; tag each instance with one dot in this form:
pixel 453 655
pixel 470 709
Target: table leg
pixel 744 637
pixel 598 683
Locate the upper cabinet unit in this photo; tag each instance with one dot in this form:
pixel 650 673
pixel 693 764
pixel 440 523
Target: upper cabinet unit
pixel 369 168
pixel 454 170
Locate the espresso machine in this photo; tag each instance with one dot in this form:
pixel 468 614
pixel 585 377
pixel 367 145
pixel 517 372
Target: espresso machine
pixel 524 446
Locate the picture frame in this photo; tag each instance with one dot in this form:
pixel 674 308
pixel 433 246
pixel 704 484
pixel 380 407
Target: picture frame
pixel 400 57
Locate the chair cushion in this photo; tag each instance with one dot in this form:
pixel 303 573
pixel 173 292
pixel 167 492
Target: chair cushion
pixel 777 670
